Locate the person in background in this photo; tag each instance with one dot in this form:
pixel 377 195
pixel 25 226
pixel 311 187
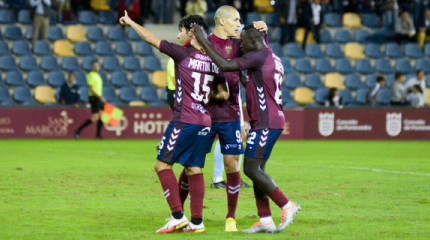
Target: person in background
pixel 196 7
pixel 405 29
pixel 373 96
pixel 39 12
pixel 420 79
pixel 333 99
pixel 416 97
pixel 288 15
pixel 424 30
pixel 398 90
pixel 69 91
pixel 62 5
pixel 313 12
pixel 133 9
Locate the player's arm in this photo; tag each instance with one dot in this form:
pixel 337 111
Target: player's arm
pixel 144 33
pixel 221 93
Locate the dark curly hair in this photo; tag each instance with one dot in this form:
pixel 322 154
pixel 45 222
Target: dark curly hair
pixel 187 21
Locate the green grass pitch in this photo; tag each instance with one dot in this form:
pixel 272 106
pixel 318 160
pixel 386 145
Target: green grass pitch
pixel 87 189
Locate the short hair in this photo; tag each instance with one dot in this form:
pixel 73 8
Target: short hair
pixel 252 32
pixel 380 79
pixel 187 21
pixel 417 86
pixel 419 71
pixel 398 75
pixel 71 74
pixel 223 12
pixel 93 61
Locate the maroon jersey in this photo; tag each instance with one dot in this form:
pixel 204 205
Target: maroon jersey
pixel 226 111
pixel 194 73
pixel 263 89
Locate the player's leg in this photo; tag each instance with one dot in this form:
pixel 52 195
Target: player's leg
pixel 99 125
pixel 184 187
pixel 197 193
pixel 95 116
pixel 218 181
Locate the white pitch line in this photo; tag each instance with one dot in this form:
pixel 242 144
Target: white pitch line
pixel 384 171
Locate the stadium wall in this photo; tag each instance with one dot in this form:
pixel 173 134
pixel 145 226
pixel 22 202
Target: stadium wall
pixel 150 123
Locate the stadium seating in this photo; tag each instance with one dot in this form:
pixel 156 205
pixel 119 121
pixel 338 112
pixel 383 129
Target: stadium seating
pixel 383 66
pixel 342 36
pixel 95 34
pixel 136 104
pixel 21 48
pixel 351 20
pixel 132 35
pixel 7 63
pixel 343 66
pixel 24 17
pixel 22 94
pixel 403 66
pixel 373 50
pixel 303 96
pixel 111 64
pixel 132 64
pixel 42 48
pixel 76 34
pixel 144 49
pixel 128 94
pixel 252 17
pixel 323 66
pixel 99 5
pixel 354 51
pixel 346 96
pixel 83 49
pixel 353 81
pixel 412 50
pixel 371 20
pixel 159 79
pixel 28 63
pixel 55 33
pixel 152 63
pixel 119 79
pixel 107 18
pixel 277 49
pixel 292 81
pixel 83 94
pixel 314 51
pixel 427 96
pixel 392 50
pixel 44 94
pixel 384 97
pixel 13 33
pixel 63 48
pixel 87 18
pixel 4 48
pixel 56 79
pixel 294 50
pixel 116 34
pixel 325 36
pixel 332 20
pixel 104 49
pixel 287 65
pixel 427 49
pixel 70 64
pixel 370 80
pixel 423 64
pixel 81 79
pixel 362 96
pixel 140 79
pixel 123 48
pixel 334 80
pixel 362 36
pixel 110 96
pixel 389 80
pixel 363 66
pixel 5 98
pixel 49 63
pixel 35 78
pixel 313 81
pixel 333 50
pixel 6 16
pixel 149 94
pixel 300 36
pixel 14 78
pixel 303 65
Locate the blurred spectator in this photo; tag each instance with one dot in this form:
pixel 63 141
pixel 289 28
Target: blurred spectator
pixel 416 97
pixel 373 96
pixel 405 29
pixel 287 14
pixel 133 10
pixel 62 5
pixel 388 10
pixel 16 5
pixel 39 12
pixel 163 11
pixel 424 30
pixel 69 91
pixel 398 90
pixel 312 12
pixel 333 99
pixel 146 9
pixel 196 7
pixel 326 6
pixel 78 5
pixel 420 80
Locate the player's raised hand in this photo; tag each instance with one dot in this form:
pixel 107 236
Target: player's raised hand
pixel 198 32
pixel 260 25
pixel 125 20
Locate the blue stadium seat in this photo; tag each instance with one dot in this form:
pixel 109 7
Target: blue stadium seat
pixel 325 36
pixel 403 66
pixel 252 16
pixel 292 81
pixel 149 94
pixel 164 94
pixel 342 36
pixel 24 17
pixel 362 36
pixel 104 48
pixel 87 18
pixel 16 4
pixel 123 48
pixel 313 81
pixel 22 94
pixel 373 50
pixel 303 65
pixel 111 64
pixel 277 49
pixel 343 66
pixel 346 96
pixel 28 33
pixel 116 34
pixel 152 63
pixel 13 33
pixel 371 20
pixel 140 79
pixel 413 50
pixel 294 50
pixel 7 63
pixel 384 97
pixel 30 103
pixel 4 48
pixel 49 63
pixel 55 33
pixel 287 100
pixel 56 79
pixel 132 63
pixel 209 18
pixel 363 66
pixel 389 80
pixel 381 36
pixel 272 20
pixel 132 35
pixel 70 64
pixel 42 48
pixel 423 64
pixel 28 63
pixel 287 65
pixel 104 78
pixel 323 65
pixel 14 78
pixel 95 34
pixel 86 62
pixel 5 99
pixel 313 50
pixel 35 78
pixel 332 20
pixel 107 18
pixel 383 65
pixel 370 80
pixel 392 50
pixel 83 94
pixel 144 49
pixel 81 79
pixel 428 80
pixel 109 94
pixel 427 49
pixel 353 81
pixel 333 50
pixel 362 96
pixel 128 94
pixel 321 95
pixel 7 16
pixel 83 49
pixel 21 48
pixel 119 79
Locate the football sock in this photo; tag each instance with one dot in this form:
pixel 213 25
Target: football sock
pixel 263 207
pixel 170 188
pixel 196 221
pixel 99 127
pixel 278 197
pixel 197 193
pixel 178 215
pixel 287 205
pixel 266 220
pixel 183 187
pixel 233 187
pixel 84 125
pixel 218 163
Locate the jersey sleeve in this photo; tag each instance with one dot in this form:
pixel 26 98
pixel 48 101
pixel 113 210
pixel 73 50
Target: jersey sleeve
pixel 176 52
pixel 250 60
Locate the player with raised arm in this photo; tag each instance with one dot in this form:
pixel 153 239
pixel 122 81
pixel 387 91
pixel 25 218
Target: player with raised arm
pixel 184 138
pixel 264 105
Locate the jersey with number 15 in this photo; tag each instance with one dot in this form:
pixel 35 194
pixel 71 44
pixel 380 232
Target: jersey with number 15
pixel 263 89
pixel 195 74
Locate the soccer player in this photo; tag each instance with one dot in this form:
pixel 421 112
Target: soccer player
pixel 95 87
pixel 226 115
pixel 264 104
pixel 184 139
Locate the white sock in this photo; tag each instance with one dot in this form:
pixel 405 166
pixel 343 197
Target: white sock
pixel 287 205
pixel 266 220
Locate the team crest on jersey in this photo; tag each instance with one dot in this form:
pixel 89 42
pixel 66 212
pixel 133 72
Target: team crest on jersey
pixel 326 124
pixel 393 124
pixel 228 49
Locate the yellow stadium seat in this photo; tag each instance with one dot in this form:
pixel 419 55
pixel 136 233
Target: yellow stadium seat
pixel 99 5
pixel 76 34
pixel 63 48
pixel 351 20
pixel 136 104
pixel 159 79
pixel 427 96
pixel 334 80
pixel 44 94
pixel 303 95
pixel 354 51
pixel 300 35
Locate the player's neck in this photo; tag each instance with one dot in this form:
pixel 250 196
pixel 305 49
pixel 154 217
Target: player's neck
pixel 220 33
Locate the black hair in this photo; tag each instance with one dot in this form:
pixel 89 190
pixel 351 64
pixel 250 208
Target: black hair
pixel 418 71
pixel 187 21
pixel 252 32
pixel 93 61
pixel 417 86
pixel 380 79
pixel 398 75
